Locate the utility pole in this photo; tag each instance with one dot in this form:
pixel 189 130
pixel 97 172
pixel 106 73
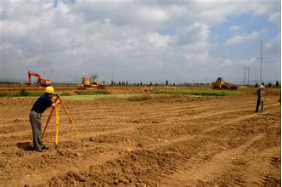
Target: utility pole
pixel 244 75
pixel 248 75
pixel 261 65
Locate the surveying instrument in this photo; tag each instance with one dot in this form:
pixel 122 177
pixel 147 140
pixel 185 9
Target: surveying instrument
pixel 58 120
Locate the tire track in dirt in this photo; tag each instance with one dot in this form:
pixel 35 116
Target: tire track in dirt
pixel 184 139
pixel 208 115
pixel 195 108
pixel 127 158
pixel 262 174
pixel 194 112
pixel 210 169
pixel 169 109
pixel 238 119
pixel 218 166
pixel 26 133
pixel 76 163
pixel 154 150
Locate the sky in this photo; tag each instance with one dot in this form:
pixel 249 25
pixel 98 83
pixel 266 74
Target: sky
pixel 140 40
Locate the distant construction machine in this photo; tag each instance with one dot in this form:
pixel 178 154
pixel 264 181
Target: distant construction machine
pixel 88 83
pixel 40 81
pixel 221 85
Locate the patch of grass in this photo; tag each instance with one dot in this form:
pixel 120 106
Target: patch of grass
pixel 34 94
pixel 200 92
pixel 13 93
pixel 24 93
pixel 91 92
pixel 110 97
pixel 83 97
pixel 21 93
pixel 65 94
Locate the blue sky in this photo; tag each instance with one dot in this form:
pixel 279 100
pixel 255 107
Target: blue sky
pixel 134 40
pixel 63 1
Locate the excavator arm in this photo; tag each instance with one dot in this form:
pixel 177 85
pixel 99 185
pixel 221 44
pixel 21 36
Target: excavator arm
pixel 41 82
pixel 29 73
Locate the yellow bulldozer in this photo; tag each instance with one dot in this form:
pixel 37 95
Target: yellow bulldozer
pixel 221 85
pixel 88 83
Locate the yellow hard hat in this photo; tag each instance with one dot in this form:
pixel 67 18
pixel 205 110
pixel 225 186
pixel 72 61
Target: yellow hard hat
pixel 50 90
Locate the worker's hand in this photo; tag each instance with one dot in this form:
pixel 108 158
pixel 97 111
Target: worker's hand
pixel 57 101
pixel 54 105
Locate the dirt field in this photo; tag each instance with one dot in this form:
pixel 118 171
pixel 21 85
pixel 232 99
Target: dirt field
pixel 179 141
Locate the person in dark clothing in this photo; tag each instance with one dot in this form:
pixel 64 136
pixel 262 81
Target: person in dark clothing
pixel 280 97
pixel 41 104
pixel 260 94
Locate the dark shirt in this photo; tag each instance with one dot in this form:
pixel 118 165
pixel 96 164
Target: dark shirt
pixel 261 93
pixel 42 103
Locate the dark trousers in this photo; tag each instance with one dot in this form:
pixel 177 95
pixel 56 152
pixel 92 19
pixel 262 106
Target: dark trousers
pixel 259 102
pixel 35 120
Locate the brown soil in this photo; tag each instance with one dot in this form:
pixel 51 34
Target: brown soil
pixel 213 141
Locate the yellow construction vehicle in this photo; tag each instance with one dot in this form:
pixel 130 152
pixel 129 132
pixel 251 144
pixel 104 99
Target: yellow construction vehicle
pixel 88 83
pixel 221 85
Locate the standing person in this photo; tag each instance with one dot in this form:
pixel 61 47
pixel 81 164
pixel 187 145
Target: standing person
pixel 280 97
pixel 40 105
pixel 260 94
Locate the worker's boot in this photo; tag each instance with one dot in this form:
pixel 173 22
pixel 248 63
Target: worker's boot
pixel 44 147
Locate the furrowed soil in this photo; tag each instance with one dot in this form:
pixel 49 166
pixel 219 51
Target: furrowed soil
pixel 177 141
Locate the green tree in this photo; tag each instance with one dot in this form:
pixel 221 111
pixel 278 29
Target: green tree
pixel 277 84
pixel 166 82
pixel 23 92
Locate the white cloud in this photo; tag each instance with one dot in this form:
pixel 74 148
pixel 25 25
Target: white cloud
pixel 242 38
pixel 6 46
pixel 275 17
pixel 159 40
pixel 152 14
pixel 194 33
pixel 235 28
pixel 116 37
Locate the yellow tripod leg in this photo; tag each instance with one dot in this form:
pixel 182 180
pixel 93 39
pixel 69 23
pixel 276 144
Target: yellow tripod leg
pixel 77 133
pixel 57 124
pixel 47 122
pixel 71 121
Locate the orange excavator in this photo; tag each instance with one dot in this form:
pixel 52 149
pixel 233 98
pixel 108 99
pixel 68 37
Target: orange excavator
pixel 40 81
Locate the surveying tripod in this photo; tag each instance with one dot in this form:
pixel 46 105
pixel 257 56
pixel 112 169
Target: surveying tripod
pixel 58 120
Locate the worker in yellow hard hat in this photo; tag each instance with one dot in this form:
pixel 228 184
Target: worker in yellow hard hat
pixel 50 90
pixel 40 105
